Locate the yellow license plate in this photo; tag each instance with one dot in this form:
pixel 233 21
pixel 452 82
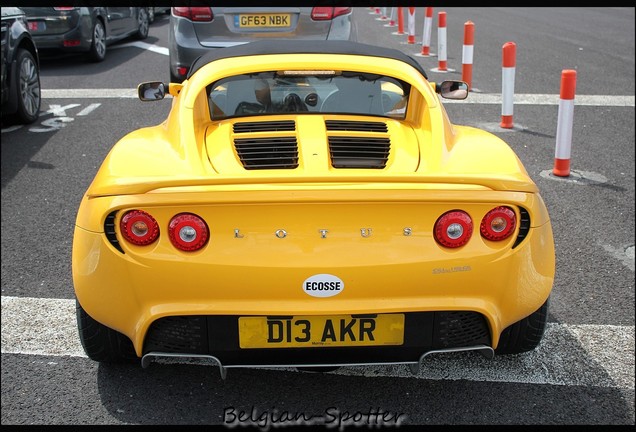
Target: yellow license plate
pixel 263 20
pixel 321 331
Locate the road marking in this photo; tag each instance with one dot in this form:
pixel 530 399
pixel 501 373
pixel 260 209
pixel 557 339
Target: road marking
pixel 581 355
pixel 89 109
pixel 143 45
pixel 477 98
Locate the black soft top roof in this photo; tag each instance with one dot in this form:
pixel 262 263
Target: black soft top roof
pixel 290 46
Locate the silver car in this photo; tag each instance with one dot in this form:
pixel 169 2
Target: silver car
pixel 195 30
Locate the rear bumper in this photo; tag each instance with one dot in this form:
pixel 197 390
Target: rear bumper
pixel 217 336
pixel 260 274
pixel 49 42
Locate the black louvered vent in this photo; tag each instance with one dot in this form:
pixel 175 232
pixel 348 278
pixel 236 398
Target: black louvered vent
pixel 179 334
pixel 109 230
pixel 358 126
pixel 271 126
pixel 359 152
pixel 460 329
pixel 267 153
pixel 524 226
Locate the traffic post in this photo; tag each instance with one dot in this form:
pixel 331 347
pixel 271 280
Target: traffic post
pixel 426 33
pixel 508 84
pixel 467 53
pixel 410 39
pixel 441 42
pixel 564 124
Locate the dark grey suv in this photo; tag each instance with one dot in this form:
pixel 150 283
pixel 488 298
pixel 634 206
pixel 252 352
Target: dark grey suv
pixel 21 94
pixel 195 30
pixel 85 29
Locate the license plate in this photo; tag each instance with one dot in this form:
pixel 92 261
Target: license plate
pixel 321 331
pixel 262 20
pixel 35 26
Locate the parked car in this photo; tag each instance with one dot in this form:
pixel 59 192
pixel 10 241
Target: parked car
pixel 309 204
pixel 21 93
pixel 195 30
pixel 85 29
pixel 157 10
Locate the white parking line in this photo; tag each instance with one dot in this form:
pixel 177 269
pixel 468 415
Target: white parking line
pixel 582 355
pixel 473 98
pixel 143 45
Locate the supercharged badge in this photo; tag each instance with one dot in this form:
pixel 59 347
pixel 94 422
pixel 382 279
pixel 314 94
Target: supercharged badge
pixel 323 285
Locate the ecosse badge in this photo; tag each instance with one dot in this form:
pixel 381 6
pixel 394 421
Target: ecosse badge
pixel 323 285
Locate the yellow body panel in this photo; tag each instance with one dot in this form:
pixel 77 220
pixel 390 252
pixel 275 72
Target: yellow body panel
pixel 270 230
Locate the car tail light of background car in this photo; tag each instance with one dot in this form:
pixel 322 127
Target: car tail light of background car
pixel 199 14
pixel 202 14
pixel 327 13
pixel 454 228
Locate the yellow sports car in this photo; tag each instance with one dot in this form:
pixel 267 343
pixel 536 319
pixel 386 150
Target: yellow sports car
pixel 310 205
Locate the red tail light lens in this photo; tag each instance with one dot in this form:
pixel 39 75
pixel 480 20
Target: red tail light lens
pixel 498 224
pixel 337 11
pixel 65 8
pixel 188 232
pixel 139 228
pixel 322 13
pixel 182 71
pixel 453 229
pixel 201 14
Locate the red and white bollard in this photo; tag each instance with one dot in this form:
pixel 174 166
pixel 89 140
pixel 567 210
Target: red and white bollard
pixel 508 84
pixel 426 33
pixel 441 42
pixel 410 39
pixel 400 21
pixel 467 53
pixel 564 124
pixel 383 16
pixel 391 20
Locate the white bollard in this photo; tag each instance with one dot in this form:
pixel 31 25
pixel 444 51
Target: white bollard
pixel 508 84
pixel 564 124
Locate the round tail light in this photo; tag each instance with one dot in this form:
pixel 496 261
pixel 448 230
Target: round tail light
pixel 139 228
pixel 453 229
pixel 498 224
pixel 188 232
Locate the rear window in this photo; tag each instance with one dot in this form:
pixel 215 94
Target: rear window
pixel 324 92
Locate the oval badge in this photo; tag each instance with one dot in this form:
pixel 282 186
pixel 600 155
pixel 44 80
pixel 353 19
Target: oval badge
pixel 323 285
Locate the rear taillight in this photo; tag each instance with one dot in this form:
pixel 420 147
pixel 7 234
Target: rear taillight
pixel 182 71
pixel 453 229
pixel 498 224
pixel 200 14
pixel 188 232
pixel 65 8
pixel 321 13
pixel 139 228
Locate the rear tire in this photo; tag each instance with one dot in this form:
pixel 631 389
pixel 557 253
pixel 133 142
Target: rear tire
pixel 143 23
pixel 28 82
pixel 97 52
pixel 524 335
pixel 101 343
